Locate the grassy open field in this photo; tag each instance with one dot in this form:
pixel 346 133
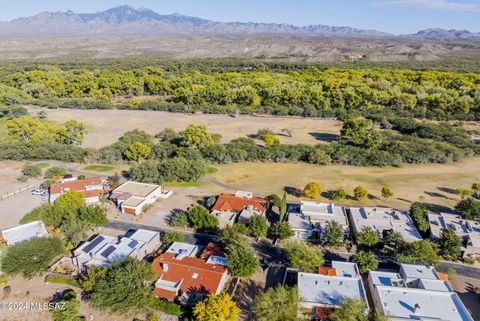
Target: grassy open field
pixel 99 168
pixel 106 126
pixel 432 183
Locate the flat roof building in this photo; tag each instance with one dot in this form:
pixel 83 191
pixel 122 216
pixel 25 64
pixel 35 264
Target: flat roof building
pixel 382 220
pixel 325 291
pixel 416 292
pixel 468 231
pixel 133 197
pixel 24 232
pixel 308 220
pixel 101 250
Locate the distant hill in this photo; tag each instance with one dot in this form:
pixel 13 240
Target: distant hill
pixel 438 33
pixel 128 20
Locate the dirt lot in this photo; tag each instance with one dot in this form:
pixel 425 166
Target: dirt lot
pixel 41 292
pixel 106 126
pixel 432 183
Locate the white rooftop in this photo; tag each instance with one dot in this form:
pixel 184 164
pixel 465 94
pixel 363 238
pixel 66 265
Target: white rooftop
pixel 323 212
pixel 24 232
pixel 382 219
pixel 413 271
pixel 143 235
pixel 415 304
pixel 346 269
pixel 454 222
pixel 328 291
pixel 298 222
pixel 416 293
pixel 184 249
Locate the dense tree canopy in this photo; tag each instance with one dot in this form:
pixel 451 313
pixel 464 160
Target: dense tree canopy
pixel 32 257
pixel 277 304
pixel 216 307
pixel 303 256
pixel 124 287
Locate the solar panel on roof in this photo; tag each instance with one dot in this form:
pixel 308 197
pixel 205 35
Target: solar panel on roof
pixel 94 243
pixel 130 232
pixel 108 251
pixel 132 244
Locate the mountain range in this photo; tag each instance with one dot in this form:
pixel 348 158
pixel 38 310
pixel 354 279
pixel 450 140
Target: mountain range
pixel 128 20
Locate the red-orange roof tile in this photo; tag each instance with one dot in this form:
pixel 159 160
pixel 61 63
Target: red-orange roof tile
pixel 77 185
pixel 229 202
pixel 212 249
pixel 327 271
pixel 323 313
pixel 208 278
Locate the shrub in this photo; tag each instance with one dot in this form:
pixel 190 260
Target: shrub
pixel 312 190
pixel 339 194
pixel 360 192
pixel 165 306
pixel 387 192
pixel 54 171
pixel 31 171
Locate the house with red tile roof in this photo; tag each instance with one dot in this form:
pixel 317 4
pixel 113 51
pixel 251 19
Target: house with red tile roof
pixel 184 276
pixel 238 207
pixel 90 188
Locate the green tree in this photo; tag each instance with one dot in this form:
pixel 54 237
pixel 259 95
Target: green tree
pixel 54 171
pixel 312 190
pixel 89 280
pixel 70 200
pixel 72 133
pixel 418 211
pixel 271 140
pixel 32 257
pixel 350 310
pixel 360 192
pixel 242 261
pixel 31 171
pixel 333 235
pixel 417 252
pixel 464 192
pixel 277 304
pixel 216 307
pixel 125 287
pixel 172 237
pixel 137 151
pixel 469 208
pixel 67 310
pixel 303 256
pixel 359 132
pixel 196 136
pixel 283 207
pixel 394 239
pixel 201 219
pixel 366 261
pixel 275 199
pixel 449 245
pixel 180 219
pixel 387 192
pixel 368 237
pixel 282 230
pixel 257 226
pixel 234 235
pixel 339 194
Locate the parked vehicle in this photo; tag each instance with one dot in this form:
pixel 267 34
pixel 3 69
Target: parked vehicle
pixel 39 191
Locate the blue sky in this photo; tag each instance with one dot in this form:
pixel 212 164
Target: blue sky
pixel 395 16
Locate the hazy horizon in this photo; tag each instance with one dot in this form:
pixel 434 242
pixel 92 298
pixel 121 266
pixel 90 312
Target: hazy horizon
pixel 393 16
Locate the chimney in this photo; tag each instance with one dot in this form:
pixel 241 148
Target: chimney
pixel 417 307
pixel 165 267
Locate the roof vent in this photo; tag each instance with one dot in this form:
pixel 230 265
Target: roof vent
pixel 165 267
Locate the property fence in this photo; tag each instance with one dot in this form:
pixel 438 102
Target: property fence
pixel 18 191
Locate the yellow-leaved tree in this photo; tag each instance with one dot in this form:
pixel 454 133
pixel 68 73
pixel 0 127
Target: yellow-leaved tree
pixel 216 308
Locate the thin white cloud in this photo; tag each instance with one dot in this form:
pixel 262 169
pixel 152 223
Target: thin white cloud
pixel 445 5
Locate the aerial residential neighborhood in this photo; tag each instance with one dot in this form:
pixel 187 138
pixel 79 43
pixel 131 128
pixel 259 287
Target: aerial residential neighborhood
pixel 240 160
